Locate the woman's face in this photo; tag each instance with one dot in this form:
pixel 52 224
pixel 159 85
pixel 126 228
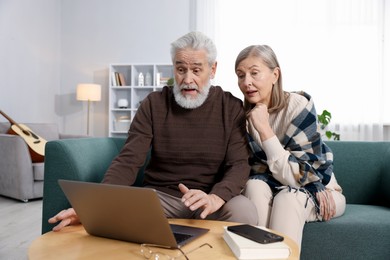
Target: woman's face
pixel 255 80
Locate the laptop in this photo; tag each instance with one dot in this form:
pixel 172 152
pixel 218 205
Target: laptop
pixel 127 213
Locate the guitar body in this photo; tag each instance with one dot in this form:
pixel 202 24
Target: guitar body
pixel 36 144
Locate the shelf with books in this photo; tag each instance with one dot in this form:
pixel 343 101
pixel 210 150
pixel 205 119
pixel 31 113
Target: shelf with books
pixel 129 84
pixel 120 75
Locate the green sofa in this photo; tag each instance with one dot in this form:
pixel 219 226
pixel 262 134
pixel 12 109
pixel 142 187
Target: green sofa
pixel 362 169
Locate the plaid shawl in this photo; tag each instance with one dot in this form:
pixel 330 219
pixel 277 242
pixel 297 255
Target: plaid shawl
pixel 315 159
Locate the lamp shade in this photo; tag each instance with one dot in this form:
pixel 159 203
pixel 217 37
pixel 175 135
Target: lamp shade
pixel 91 92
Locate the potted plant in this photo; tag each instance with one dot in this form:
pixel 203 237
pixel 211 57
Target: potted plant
pixel 323 121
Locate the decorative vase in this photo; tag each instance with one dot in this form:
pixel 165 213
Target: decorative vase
pixel 123 103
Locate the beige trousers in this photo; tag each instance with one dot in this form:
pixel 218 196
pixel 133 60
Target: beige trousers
pixel 288 211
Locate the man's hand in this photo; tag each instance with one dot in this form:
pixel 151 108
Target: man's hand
pixel 195 199
pixel 327 204
pixel 66 217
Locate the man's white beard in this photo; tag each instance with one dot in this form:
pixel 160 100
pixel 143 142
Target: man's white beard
pixel 188 101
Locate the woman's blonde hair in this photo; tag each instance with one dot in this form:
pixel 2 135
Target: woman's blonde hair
pixel 267 55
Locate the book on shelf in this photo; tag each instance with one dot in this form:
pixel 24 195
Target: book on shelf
pixel 244 248
pixel 118 82
pixel 118 79
pixel 122 80
pixel 113 79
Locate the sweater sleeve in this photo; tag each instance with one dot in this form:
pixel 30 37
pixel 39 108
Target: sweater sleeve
pixel 125 167
pixel 277 160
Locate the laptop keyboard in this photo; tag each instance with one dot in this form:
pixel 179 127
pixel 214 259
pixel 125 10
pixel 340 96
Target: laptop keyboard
pixel 180 237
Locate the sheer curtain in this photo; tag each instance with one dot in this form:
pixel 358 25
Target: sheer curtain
pixel 336 50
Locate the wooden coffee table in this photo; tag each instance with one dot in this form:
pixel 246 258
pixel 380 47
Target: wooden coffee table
pixel 74 243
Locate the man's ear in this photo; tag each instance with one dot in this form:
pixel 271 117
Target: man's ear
pixel 213 70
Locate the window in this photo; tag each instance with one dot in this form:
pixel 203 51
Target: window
pixel 335 50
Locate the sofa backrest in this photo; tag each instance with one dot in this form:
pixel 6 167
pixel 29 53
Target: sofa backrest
pixel 361 169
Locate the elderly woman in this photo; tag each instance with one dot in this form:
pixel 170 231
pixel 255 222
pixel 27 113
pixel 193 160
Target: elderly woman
pixel 292 179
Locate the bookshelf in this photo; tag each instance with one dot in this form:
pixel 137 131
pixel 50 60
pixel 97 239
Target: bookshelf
pixel 126 91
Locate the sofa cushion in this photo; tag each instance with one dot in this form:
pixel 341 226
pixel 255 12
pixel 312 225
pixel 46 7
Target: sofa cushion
pixel 38 170
pixel 4 127
pixel 361 233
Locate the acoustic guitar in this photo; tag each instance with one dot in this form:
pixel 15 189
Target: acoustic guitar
pixel 36 144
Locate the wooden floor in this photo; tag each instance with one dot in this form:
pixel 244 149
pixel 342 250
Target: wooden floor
pixel 20 224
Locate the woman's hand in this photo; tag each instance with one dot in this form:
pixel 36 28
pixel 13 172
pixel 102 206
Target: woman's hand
pixel 327 204
pixel 66 217
pixel 259 118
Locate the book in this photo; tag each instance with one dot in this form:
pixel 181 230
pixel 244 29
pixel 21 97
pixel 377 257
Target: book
pixel 117 80
pixel 122 80
pixel 244 248
pixel 113 80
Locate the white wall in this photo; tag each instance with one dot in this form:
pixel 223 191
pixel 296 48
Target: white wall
pixel 29 59
pixel 47 47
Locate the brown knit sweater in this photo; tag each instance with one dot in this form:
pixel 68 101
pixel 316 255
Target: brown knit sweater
pixel 203 148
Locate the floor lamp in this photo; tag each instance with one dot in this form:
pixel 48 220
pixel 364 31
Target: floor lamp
pixel 88 92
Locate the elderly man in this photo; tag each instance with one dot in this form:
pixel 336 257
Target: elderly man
pixel 199 158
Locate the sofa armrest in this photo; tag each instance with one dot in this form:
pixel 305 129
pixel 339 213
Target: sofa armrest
pixel 385 178
pixel 84 159
pixel 16 178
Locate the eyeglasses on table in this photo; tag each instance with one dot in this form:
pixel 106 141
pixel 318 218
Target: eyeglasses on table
pixel 157 252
